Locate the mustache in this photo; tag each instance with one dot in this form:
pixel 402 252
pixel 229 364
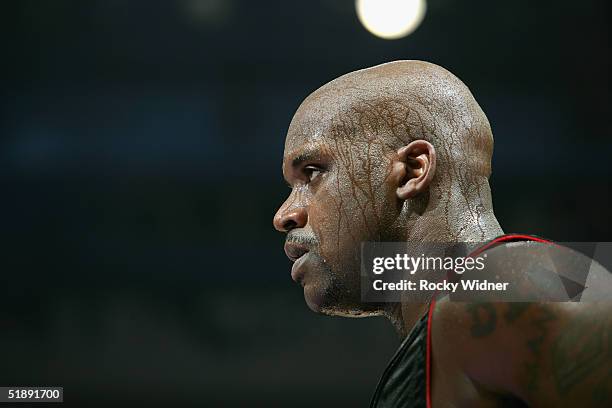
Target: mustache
pixel 301 238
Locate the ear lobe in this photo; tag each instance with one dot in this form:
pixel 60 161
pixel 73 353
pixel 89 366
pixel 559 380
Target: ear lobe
pixel 418 160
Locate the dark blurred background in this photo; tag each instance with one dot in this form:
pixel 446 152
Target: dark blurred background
pixel 140 154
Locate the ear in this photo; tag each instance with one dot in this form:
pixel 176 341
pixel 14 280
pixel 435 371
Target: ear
pixel 414 168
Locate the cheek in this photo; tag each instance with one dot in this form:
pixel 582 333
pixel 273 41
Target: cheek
pixel 346 212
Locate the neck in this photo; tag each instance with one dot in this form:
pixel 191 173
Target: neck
pixel 452 215
pixel 455 219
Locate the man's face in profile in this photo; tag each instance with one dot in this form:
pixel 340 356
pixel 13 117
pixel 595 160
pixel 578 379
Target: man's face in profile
pixel 340 197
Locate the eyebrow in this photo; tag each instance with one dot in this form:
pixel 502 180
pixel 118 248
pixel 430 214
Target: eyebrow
pixel 310 153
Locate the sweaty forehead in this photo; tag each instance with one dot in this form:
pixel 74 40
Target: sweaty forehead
pixel 332 117
pixel 311 124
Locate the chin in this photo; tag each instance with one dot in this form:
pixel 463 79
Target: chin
pixel 319 300
pixel 315 298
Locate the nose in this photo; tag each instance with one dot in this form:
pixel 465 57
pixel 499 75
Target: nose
pixel 287 219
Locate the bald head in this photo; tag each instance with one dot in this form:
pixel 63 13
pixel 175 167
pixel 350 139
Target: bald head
pixel 399 102
pixel 396 152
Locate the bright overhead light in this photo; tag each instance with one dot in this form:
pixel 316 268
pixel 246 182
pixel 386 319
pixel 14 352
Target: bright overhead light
pixel 390 19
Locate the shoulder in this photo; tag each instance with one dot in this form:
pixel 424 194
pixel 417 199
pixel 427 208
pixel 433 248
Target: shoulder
pixel 564 272
pixel 541 353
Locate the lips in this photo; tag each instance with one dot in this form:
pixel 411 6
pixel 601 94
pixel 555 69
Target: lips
pixel 297 253
pixel 294 251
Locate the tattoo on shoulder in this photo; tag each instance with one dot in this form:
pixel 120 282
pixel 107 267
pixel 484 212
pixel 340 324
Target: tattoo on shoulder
pixel 484 316
pixel 540 325
pixel 484 319
pixel 582 348
pixel 515 310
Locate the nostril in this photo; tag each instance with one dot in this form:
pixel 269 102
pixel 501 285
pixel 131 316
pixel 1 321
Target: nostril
pixel 286 220
pixel 289 225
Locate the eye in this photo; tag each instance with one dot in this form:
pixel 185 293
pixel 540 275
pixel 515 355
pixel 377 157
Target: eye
pixel 312 172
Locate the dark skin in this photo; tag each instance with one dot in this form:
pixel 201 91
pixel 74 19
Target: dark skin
pixel 535 354
pixel 402 152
